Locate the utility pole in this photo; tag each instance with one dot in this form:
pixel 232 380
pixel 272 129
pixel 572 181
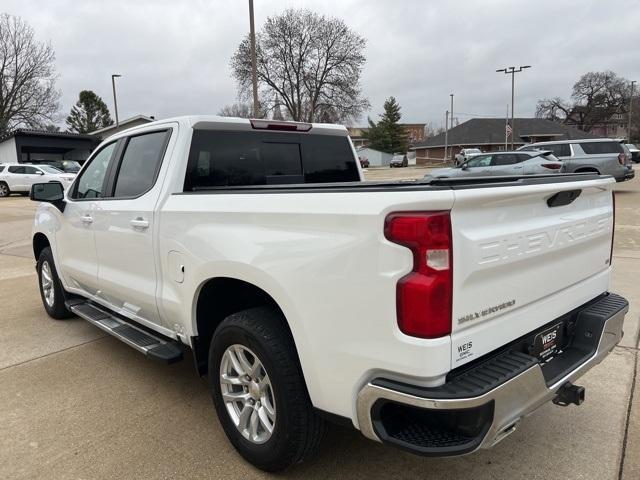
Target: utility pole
pixel 254 69
pixel 506 130
pixel 446 135
pixel 513 71
pixel 115 101
pixel 633 82
pixel 451 95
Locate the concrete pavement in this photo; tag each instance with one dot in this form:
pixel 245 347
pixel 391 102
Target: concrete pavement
pixel 79 404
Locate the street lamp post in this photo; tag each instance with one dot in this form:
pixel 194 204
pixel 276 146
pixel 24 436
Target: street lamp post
pixel 633 82
pixel 513 71
pixel 254 73
pixel 115 101
pixel 451 95
pixel 446 135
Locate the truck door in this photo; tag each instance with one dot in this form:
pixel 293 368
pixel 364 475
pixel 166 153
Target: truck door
pixel 125 225
pixel 77 259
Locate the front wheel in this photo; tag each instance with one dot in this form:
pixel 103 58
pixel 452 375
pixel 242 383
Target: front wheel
pixel 259 391
pixel 51 290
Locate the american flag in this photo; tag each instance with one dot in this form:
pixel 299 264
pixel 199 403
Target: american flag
pixel 509 130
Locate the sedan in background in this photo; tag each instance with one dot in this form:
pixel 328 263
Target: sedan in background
pixel 399 161
pixel 502 164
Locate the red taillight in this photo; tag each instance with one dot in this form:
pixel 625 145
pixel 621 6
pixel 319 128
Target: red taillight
pixel 622 158
pixel 552 166
pixel 283 126
pixel 424 296
pixel 613 228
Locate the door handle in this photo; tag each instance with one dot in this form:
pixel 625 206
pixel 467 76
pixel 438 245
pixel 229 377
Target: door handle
pixel 87 219
pixel 139 223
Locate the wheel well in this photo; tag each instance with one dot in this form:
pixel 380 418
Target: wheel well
pixel 219 298
pixel 40 242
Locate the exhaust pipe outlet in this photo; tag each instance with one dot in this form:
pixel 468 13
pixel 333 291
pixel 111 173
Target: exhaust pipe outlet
pixel 568 394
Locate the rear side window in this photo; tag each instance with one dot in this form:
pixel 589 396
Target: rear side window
pixel 16 169
pixel 506 159
pixel 1 168
pixel 598 148
pixel 140 164
pixel 558 149
pixel 220 159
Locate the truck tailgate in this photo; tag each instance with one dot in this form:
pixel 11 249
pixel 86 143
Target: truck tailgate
pixel 522 257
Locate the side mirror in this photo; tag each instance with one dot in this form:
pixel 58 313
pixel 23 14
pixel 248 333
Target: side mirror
pixel 39 172
pixel 464 166
pixel 51 192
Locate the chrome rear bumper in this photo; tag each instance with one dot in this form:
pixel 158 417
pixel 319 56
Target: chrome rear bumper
pixel 511 400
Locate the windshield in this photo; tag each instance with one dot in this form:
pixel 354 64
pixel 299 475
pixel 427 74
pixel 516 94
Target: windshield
pixel 50 169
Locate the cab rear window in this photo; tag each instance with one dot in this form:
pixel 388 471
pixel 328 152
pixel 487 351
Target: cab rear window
pixel 226 159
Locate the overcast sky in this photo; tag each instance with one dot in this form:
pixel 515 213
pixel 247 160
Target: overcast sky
pixel 174 55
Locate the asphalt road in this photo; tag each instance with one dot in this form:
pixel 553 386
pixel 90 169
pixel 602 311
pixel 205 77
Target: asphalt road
pixel 78 404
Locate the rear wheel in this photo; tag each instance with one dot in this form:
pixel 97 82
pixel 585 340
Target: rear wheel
pixel 259 392
pixel 51 290
pixel 4 190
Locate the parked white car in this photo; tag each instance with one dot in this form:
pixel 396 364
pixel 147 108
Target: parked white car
pixel 502 164
pixel 18 178
pixel 432 318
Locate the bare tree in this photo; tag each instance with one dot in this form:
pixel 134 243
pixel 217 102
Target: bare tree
pixel 595 99
pixel 308 64
pixel 430 130
pixel 239 109
pixel 28 96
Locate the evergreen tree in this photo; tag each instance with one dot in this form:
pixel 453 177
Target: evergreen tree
pixel 89 113
pixel 387 135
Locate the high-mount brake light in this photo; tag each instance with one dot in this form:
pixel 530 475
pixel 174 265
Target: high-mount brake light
pixel 282 126
pixel 424 296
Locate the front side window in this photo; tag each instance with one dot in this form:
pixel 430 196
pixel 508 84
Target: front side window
pixel 140 164
pixel 32 171
pixel 91 182
pixel 481 161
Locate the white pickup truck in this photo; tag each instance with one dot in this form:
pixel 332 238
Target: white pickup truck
pixel 431 316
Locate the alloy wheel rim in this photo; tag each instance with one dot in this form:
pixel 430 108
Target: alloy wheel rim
pixel 247 394
pixel 46 280
pixel 3 190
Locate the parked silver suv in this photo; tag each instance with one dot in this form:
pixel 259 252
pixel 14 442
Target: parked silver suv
pixel 602 155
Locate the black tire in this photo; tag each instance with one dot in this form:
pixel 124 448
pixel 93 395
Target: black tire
pixel 5 191
pixel 57 308
pixel 298 430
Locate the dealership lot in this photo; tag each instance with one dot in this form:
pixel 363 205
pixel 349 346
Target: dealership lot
pixel 79 404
